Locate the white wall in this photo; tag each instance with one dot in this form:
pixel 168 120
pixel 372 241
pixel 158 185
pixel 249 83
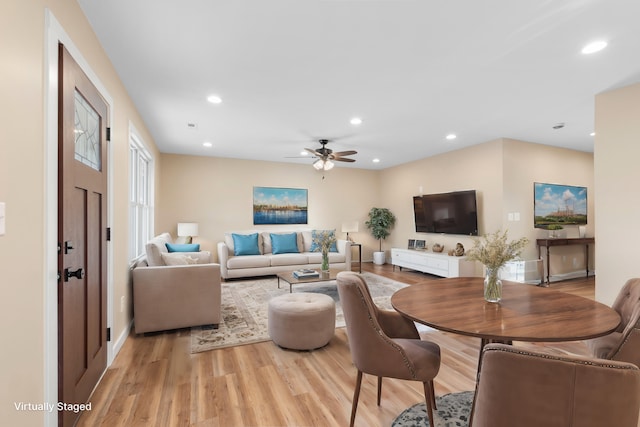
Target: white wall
pixel 617 178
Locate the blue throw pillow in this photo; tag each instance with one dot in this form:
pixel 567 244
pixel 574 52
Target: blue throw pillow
pixel 245 244
pixel 316 234
pixel 284 244
pixel 174 247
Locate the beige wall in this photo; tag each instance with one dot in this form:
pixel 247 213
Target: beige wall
pixel 617 150
pixel 218 194
pixel 23 168
pixel 502 172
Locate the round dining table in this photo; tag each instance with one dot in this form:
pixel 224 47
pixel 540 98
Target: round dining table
pixel 525 313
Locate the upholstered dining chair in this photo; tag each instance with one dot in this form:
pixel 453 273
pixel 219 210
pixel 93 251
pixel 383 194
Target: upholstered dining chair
pixel 383 343
pixel 530 388
pixel 624 343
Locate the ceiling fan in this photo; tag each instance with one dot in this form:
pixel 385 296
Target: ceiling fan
pixel 326 156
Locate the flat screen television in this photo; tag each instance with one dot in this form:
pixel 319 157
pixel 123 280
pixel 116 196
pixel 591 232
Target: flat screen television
pixel 448 213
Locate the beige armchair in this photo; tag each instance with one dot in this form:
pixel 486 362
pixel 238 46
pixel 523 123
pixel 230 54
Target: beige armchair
pixel 383 343
pixel 624 343
pixel 175 296
pixel 527 389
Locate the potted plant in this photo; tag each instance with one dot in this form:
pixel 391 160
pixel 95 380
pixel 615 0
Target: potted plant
pixel 380 222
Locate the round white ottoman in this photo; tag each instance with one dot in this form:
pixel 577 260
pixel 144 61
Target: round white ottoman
pixel 302 321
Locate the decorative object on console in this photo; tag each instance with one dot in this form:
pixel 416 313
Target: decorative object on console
pixel 350 227
pixel 494 252
pixel 412 244
pixel 553 230
pixel 187 231
pixel 559 205
pixel 421 245
pixel 380 222
pixel 324 241
pixel 279 205
pixel 437 247
pixel 459 250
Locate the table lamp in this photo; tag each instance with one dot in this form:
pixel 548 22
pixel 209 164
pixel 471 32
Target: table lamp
pixel 350 227
pixel 188 230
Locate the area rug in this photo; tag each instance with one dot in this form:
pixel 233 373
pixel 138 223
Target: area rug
pixel 245 305
pixel 454 409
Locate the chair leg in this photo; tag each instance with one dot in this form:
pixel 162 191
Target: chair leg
pixel 429 397
pixel 379 389
pixel 433 395
pixel 356 396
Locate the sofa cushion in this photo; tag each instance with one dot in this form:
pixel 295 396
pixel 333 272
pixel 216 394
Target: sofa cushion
pixel 185 247
pixel 316 234
pixel 155 247
pixel 288 259
pixel 248 261
pixel 177 258
pixel 245 244
pixel 268 246
pixel 228 240
pixel 316 257
pixel 284 243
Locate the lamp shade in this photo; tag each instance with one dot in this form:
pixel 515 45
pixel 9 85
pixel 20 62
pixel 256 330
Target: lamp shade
pixel 350 227
pixel 187 229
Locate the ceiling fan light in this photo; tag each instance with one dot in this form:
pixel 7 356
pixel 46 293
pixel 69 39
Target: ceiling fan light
pixel 328 165
pixel 318 164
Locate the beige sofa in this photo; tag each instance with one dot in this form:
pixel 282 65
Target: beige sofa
pixel 183 294
pixel 267 263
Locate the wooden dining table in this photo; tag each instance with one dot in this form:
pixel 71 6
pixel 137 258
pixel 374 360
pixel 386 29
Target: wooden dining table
pixel 525 313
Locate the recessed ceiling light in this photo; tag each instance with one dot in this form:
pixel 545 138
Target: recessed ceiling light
pixel 214 99
pixel 207 144
pixel 356 121
pixel 592 134
pixel 594 47
pixel 304 153
pixel 451 136
pixel 376 160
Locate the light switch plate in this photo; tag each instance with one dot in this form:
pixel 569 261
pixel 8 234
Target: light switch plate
pixel 2 218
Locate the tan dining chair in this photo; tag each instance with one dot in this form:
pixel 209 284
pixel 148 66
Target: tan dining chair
pixel 528 388
pixel 383 343
pixel 624 343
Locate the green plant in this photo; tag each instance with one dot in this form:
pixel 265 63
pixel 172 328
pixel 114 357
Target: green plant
pixel 380 222
pixel 493 250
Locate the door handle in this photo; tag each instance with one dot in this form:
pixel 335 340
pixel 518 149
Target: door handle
pixel 78 274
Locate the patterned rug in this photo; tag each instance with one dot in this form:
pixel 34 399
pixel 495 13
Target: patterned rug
pixel 453 410
pixel 245 304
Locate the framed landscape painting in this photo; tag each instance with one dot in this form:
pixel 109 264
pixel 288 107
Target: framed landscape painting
pixel 273 205
pixel 559 205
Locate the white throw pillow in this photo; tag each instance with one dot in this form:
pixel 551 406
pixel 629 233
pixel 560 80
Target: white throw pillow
pixel 176 258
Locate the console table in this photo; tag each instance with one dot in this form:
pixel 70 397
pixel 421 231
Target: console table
pixel 437 264
pixel 582 241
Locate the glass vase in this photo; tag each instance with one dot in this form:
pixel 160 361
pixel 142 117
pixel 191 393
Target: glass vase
pixel 325 262
pixel 492 285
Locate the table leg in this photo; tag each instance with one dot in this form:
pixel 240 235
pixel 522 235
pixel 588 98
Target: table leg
pixel 587 261
pixel 548 268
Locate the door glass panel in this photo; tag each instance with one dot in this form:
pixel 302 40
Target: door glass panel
pixel 87 133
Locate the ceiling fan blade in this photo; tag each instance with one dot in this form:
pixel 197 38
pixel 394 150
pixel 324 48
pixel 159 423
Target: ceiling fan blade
pixel 314 152
pixel 345 153
pixel 343 159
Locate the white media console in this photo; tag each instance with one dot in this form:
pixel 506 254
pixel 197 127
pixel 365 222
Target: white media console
pixel 438 264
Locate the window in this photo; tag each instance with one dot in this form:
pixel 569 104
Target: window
pixel 140 196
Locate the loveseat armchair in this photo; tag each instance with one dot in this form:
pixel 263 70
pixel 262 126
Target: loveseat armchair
pixel 175 296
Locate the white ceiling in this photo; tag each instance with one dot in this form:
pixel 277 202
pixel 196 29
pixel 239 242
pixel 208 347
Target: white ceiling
pixel 292 71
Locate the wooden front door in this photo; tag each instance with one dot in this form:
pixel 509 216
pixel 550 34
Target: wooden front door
pixel 82 236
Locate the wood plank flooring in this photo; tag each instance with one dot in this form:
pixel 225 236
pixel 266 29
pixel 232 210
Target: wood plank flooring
pixel 155 381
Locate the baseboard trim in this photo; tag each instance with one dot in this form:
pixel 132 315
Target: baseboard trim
pixel 117 345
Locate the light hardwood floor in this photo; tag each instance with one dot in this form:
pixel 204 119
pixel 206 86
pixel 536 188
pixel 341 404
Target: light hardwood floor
pixel 155 381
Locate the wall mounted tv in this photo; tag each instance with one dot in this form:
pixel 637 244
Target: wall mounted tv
pixel 556 204
pixel 448 213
